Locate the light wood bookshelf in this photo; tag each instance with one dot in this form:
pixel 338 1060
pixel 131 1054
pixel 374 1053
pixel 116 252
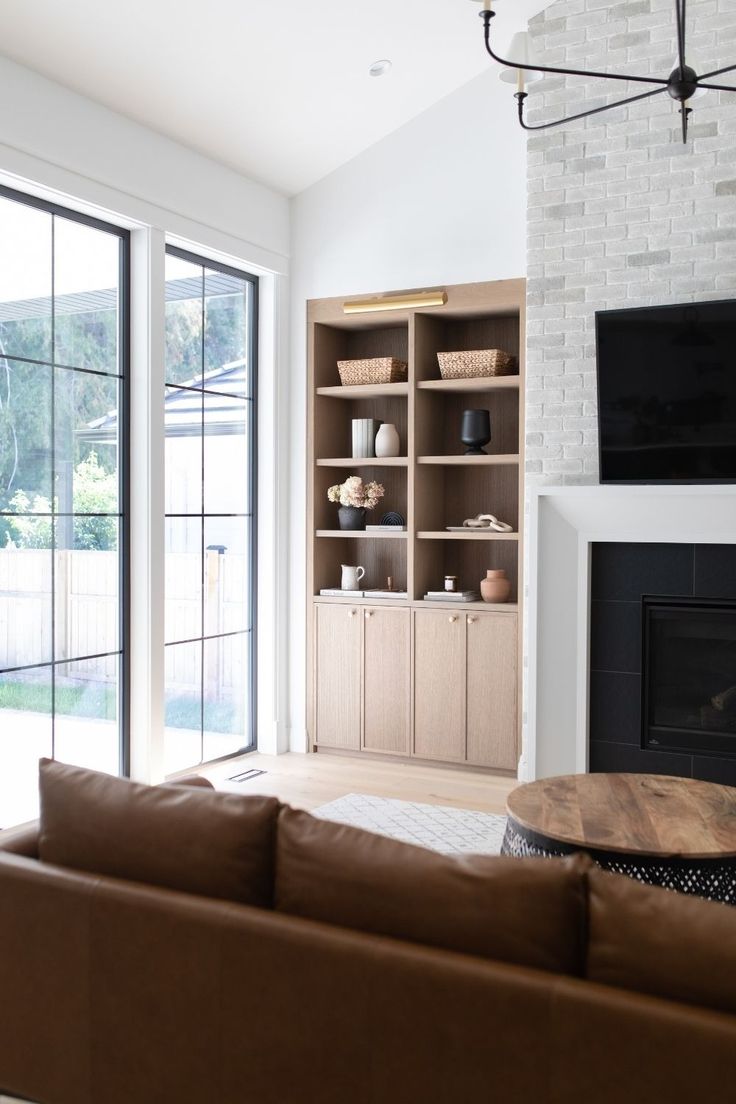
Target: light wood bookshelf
pixel 432 483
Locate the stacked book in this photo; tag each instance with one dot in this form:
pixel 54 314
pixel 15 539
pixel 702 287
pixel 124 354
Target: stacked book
pixel 452 596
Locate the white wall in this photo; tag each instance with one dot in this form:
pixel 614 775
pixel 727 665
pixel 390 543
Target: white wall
pixel 440 201
pixel 62 146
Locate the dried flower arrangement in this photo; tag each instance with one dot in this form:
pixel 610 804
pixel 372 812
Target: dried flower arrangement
pixel 354 492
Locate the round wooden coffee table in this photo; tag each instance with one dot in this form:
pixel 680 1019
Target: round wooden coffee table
pixel 665 831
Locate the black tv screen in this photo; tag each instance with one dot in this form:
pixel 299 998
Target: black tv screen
pixel 667 394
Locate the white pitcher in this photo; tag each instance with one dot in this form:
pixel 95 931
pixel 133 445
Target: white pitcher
pixel 351 577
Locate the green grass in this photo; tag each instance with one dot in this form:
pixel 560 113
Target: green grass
pixel 100 702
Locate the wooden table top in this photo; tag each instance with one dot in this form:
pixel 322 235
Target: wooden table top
pixel 648 814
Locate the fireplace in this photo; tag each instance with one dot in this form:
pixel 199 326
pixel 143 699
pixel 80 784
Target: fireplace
pixel 688 675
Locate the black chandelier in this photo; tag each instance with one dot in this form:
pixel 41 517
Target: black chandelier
pixel 682 83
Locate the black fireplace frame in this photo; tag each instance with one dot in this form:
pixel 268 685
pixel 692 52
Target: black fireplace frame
pixel 679 740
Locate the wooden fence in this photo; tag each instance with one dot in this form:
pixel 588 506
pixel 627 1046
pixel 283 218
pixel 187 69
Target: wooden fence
pixel 86 615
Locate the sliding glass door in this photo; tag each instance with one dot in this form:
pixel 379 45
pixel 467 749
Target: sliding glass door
pixel 63 495
pixel 210 480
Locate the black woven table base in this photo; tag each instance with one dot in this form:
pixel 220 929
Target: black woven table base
pixel 713 879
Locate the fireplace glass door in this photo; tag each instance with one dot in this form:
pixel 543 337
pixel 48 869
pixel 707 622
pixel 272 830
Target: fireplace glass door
pixel 689 675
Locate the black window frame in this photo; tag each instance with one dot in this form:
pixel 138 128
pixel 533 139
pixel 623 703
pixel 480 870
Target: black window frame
pixel 124 321
pixel 209 264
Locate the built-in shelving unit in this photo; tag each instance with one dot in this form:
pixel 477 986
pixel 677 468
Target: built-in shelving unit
pixel 432 484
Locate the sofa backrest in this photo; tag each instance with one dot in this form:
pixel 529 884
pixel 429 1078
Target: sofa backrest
pixel 561 916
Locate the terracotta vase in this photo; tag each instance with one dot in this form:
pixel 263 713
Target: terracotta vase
pixel 495 587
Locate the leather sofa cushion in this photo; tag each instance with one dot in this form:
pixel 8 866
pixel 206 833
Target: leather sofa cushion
pixel 529 912
pixel 655 941
pixel 180 837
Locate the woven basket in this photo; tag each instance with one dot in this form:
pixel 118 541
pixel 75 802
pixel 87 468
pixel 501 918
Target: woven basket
pixel 474 363
pixel 377 370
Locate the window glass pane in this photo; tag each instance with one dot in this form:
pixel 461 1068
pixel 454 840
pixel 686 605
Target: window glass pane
pixel 86 291
pixel 225 334
pixel 184 321
pixel 226 455
pixel 183 485
pixel 86 605
pixel 61 459
pixel 226 695
pixel 86 721
pixel 227 575
pixel 25 441
pixel 208 476
pixel 183 579
pixel 25 737
pixel 86 448
pixel 183 732
pixel 26 597
pixel 25 281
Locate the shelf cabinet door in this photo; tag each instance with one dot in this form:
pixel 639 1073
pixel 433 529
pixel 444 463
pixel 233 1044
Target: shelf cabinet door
pixel 492 690
pixel 337 686
pixel 439 685
pixel 386 680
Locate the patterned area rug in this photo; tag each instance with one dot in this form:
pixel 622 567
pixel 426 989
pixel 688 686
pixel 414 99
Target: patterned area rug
pixel 439 827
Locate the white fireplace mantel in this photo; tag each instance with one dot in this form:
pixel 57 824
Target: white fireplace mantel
pixel 563 523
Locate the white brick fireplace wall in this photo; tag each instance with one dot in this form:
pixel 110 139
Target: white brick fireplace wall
pixel 620 212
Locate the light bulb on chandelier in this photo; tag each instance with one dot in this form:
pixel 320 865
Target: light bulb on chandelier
pixel 683 84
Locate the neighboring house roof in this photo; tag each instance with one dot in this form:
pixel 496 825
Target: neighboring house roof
pixel 225 387
pixel 83 302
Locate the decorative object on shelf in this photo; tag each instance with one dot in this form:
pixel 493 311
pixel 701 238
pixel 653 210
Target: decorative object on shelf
pixel 482 521
pixel 475 431
pixel 376 370
pixel 387 440
pixel 451 583
pixel 495 587
pixel 364 437
pixel 351 576
pixel 458 596
pixel 682 83
pixel 354 497
pixel 393 518
pixel 475 363
pixel 395 302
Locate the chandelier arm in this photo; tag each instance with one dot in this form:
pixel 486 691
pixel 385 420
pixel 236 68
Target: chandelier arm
pixel 521 96
pixel 717 87
pixel 715 73
pixel 487 16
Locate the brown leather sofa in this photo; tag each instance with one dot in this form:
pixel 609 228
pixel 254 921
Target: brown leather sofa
pixel 371 972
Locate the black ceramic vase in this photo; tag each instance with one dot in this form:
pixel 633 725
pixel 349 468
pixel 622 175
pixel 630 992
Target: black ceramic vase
pixel 351 517
pixel 475 431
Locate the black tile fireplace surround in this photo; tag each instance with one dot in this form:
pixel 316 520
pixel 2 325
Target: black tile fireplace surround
pixel 621 575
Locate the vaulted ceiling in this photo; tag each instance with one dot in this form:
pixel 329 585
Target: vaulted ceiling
pixel 276 89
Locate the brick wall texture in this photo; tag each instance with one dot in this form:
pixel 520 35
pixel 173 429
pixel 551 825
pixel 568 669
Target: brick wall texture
pixel 620 213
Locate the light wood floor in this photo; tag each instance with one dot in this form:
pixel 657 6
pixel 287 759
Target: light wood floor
pixel 307 781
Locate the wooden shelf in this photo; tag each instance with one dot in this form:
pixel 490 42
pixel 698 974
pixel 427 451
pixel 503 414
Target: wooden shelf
pixel 471 534
pixel 389 602
pixel 472 461
pixel 481 383
pixel 364 391
pixel 393 696
pixel 487 607
pixel 364 462
pixel 352 534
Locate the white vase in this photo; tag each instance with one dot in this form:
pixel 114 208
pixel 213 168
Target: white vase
pixel 387 440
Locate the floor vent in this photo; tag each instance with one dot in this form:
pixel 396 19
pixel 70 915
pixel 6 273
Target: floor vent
pixel 246 776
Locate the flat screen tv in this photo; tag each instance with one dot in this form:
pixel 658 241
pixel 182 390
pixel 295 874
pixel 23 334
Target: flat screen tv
pixel 667 394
